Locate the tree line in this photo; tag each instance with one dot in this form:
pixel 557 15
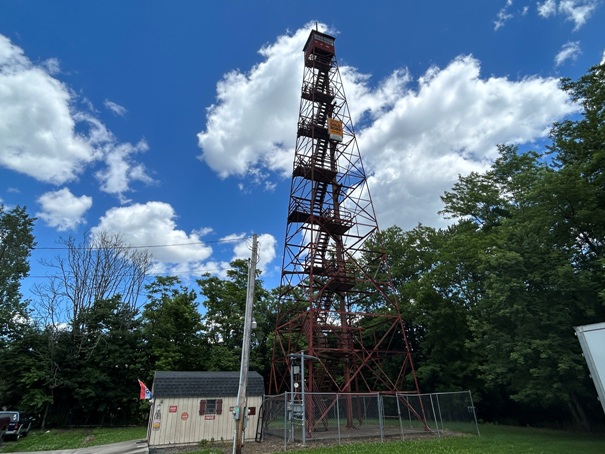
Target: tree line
pixel 490 302
pixel 74 355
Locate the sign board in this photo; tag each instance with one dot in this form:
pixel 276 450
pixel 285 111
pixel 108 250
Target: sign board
pixel 335 129
pixel 592 341
pixel 185 416
pixel 172 409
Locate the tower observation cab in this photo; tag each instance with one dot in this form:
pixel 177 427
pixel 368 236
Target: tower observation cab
pixel 319 44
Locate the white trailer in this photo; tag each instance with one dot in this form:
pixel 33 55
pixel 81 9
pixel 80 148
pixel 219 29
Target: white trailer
pixel 592 341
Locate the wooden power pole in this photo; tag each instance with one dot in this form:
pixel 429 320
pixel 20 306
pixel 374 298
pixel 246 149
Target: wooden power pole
pixel 240 413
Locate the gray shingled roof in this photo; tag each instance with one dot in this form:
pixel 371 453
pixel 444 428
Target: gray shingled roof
pixel 204 384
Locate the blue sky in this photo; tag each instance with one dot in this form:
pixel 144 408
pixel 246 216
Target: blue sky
pixel 173 123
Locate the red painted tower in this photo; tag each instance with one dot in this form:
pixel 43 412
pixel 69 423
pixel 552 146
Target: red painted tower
pixel 337 303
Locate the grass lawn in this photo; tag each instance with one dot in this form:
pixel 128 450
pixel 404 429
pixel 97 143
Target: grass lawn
pixel 73 438
pixel 493 440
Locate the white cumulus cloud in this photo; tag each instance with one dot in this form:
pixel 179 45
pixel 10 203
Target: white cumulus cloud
pixel 252 127
pixel 265 251
pixel 121 169
pixel 42 135
pixel 238 138
pixel 415 137
pixel 153 224
pixel 450 126
pixel 37 130
pixel 63 210
pixel 242 249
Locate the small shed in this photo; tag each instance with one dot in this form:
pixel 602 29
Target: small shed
pixel 188 407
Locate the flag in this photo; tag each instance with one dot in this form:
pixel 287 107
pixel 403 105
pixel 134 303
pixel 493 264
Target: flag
pixel 145 393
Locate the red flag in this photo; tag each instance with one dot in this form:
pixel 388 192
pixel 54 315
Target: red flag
pixel 144 393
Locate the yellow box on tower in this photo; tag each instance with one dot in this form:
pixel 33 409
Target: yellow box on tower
pixel 335 129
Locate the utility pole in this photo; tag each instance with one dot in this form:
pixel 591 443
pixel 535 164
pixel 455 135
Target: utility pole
pixel 240 413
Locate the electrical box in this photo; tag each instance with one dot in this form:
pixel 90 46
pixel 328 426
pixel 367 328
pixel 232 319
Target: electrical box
pixel 297 411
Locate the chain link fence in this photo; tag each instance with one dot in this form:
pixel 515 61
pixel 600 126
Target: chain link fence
pixel 301 418
pixel 443 413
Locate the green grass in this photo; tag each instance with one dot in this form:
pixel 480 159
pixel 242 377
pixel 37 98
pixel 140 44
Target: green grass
pixel 493 440
pixel 73 439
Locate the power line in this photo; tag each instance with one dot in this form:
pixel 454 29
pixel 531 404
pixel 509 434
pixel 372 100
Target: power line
pixel 147 276
pixel 148 246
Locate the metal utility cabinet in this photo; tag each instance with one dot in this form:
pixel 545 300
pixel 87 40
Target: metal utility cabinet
pixel 592 341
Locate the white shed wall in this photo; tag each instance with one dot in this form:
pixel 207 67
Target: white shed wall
pixel 175 429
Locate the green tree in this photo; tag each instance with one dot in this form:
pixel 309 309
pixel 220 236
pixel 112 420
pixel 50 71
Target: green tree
pixel 24 387
pixel 225 305
pixel 577 189
pixel 530 287
pixel 106 387
pixel 67 383
pixel 16 243
pixel 81 313
pixel 435 297
pixel 172 327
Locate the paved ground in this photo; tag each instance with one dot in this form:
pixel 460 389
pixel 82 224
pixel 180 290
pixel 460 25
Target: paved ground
pixel 126 447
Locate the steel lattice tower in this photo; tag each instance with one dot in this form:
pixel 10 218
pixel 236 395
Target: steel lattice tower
pixel 336 301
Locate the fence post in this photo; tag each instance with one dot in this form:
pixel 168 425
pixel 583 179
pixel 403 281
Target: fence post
pixel 338 416
pixel 285 421
pixel 474 413
pixel 439 409
pixel 409 412
pixel 380 416
pixel 434 414
pixel 401 431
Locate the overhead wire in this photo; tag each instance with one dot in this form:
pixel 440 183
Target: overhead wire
pixel 147 246
pixel 230 240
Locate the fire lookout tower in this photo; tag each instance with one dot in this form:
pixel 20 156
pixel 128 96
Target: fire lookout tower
pixel 337 303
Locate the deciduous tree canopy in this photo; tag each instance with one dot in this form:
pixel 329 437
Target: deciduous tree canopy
pixel 16 243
